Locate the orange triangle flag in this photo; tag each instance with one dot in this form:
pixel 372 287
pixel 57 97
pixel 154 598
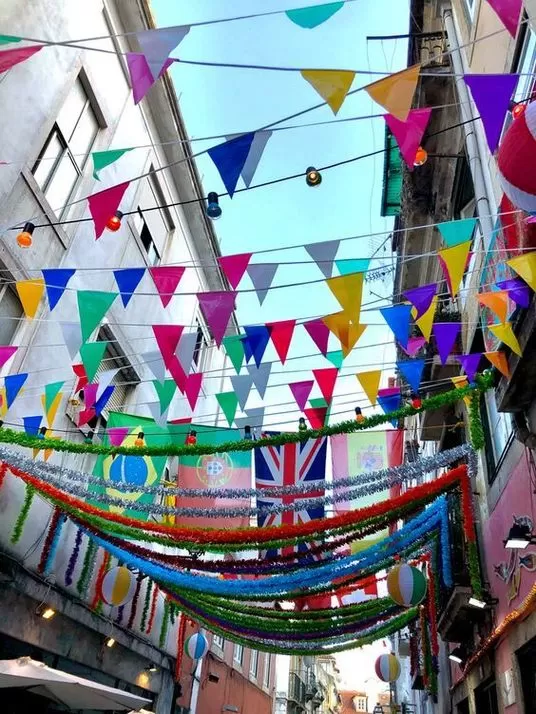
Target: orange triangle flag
pixel 344 330
pixel 497 302
pixel 498 360
pixel 348 289
pixel 525 266
pixel 30 294
pixel 504 333
pixel 460 382
pixel 331 84
pixel 395 93
pixel 453 261
pixel 426 320
pixel 370 383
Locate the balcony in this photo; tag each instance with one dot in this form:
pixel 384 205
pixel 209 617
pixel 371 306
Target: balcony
pixel 296 690
pixel 429 49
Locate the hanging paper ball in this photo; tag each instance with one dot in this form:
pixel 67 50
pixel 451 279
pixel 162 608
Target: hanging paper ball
pixel 387 668
pixel 196 646
pixel 406 585
pixel 517 153
pixel 118 586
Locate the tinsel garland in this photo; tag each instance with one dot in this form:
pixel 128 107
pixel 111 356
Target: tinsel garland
pixel 153 609
pixel 482 383
pixel 3 471
pixel 73 558
pixel 51 543
pixel 181 636
pixel 120 614
pixel 475 421
pixel 98 583
pixel 164 624
pixel 88 567
pixel 146 604
pixel 23 514
pixel 134 603
pixel 426 666
pixel 432 612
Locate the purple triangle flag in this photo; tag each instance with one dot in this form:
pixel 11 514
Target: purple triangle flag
pixel 262 276
pixel 230 158
pixel 445 334
pixel 217 307
pixel 398 317
pixel 141 77
pixel 324 254
pixel 301 391
pixel 518 290
pixel 319 332
pixel 492 94
pixel 414 345
pixel 117 434
pixel 421 297
pixel 470 364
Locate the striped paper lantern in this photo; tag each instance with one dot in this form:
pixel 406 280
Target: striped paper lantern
pixel 406 585
pixel 517 153
pixel 387 668
pixel 196 645
pixel 118 586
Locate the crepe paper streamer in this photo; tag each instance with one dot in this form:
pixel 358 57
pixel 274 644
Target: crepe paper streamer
pixel 492 94
pixel 352 265
pixel 446 334
pixel 234 267
pixel 13 384
pixel 414 345
pixel 398 317
pixel 9 58
pixel 91 354
pixel 390 400
pixel 426 320
pixel 166 279
pixel 412 371
pixel 32 424
pixel 370 384
pixel 30 293
pixel 421 298
pixel 228 402
pixel 505 334
pixel 192 388
pixel 6 353
pixel 230 158
pixel 453 262
pixel 319 333
pixel 127 280
pixel 234 349
pixel 301 391
pixel 508 12
pixel 242 384
pixel 117 434
pixel 525 266
pixel 165 393
pixel 217 308
pixel 331 84
pixel 260 376
pixel 316 416
pixel 141 78
pixel 409 133
pixel 56 281
pixel 72 336
pixel 517 290
pixel 104 204
pixel 326 379
pixel 81 375
pixel 456 232
pixel 395 92
pixel 262 276
pixel 281 333
pixel 499 360
pixel 92 307
pixel 156 45
pixel 336 358
pixel 255 342
pixel 167 338
pixel 324 255
pixel 348 289
pixel 101 159
pixel 311 17
pixel 497 302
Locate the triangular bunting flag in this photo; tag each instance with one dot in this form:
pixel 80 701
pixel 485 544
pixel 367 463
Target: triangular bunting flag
pixel 326 379
pixel 141 78
pixel 85 416
pixel 498 359
pixel 311 17
pixel 234 349
pixel 497 302
pixel 254 418
pixel 157 45
pixel 316 416
pixel 301 391
pixel 260 139
pixel 177 372
pixel 260 376
pixel 117 434
pixel 52 409
pixel 508 12
pixel 230 158
pixel 336 358
pixel 159 419
pixel 409 133
pixel 332 84
pixel 352 265
pixel 525 266
pixel 460 383
pixel 421 297
pixel 348 289
pixel 81 375
pixel 395 92
pixel 13 384
pixel 242 384
pixel 318 331
pixel 55 283
pixel 104 204
pixel 390 400
pixel 6 353
pixel 9 58
pixel 166 278
pixel 412 371
pixel 51 392
pixel 228 403
pixel 398 318
pixel 426 320
pixel 370 384
pixel 255 342
pixel 165 393
pixel 492 94
pixel 92 307
pixel 281 333
pixel 105 380
pixel 32 424
pixel 445 334
pixel 30 294
pixel 193 388
pixel 72 336
pixel 8 39
pixel 470 364
pixel 90 394
pixel 517 290
pixel 104 398
pixel 91 354
pixel 505 334
pixel 167 338
pixel 234 267
pixel 414 345
pixel 101 159
pixel 217 308
pixel 186 349
pixel 324 255
pixel 154 361
pixel 127 280
pixel 453 262
pixel 262 276
pixel 456 232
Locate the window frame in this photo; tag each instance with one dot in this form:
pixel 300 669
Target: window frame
pixel 238 650
pixel 253 664
pixel 267 666
pixel 218 641
pixel 6 287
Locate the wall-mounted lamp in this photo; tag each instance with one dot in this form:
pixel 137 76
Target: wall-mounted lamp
pixel 520 536
pixel 45 611
pixel 458 655
pixel 109 642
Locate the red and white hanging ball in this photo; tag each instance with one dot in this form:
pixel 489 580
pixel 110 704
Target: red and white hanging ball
pixel 517 160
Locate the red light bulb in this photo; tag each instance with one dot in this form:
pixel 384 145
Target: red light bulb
pixel 518 110
pixel 114 222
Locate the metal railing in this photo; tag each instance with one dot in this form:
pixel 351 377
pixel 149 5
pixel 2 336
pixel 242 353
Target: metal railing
pixel 429 48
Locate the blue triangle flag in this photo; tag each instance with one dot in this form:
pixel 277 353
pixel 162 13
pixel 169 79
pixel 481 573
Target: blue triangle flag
pixel 13 384
pixel 127 280
pixel 390 402
pixel 56 280
pixel 255 342
pixel 230 158
pixel 102 401
pixel 398 317
pixel 32 424
pixel 412 371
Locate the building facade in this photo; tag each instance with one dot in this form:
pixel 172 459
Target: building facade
pixel 307 684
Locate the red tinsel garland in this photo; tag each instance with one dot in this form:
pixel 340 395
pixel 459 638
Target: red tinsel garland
pixel 432 606
pixel 467 508
pixel 56 515
pixel 423 624
pixel 3 472
pixel 181 636
pixel 153 609
pixel 98 583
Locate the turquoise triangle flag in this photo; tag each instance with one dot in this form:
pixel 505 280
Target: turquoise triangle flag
pixel 336 358
pixel 92 307
pixel 13 384
pixel 51 392
pixel 101 159
pixel 91 355
pixel 456 232
pixel 311 17
pixel 352 265
pixel 8 39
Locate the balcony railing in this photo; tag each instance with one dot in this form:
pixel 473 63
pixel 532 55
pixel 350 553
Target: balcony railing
pixel 429 48
pixel 296 689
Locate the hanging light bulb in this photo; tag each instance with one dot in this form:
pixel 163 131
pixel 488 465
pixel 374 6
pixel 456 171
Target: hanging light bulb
pixel 114 222
pixel 302 426
pixel 421 157
pixel 518 110
pixel 88 439
pixel 416 401
pixel 213 209
pixel 313 177
pixel 359 415
pixel 24 239
pixel 191 438
pixel 139 442
pixel 248 436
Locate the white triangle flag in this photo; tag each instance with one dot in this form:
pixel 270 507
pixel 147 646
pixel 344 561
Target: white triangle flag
pixel 185 350
pixel 154 361
pixel 72 336
pixel 260 376
pixel 105 379
pixel 160 419
pixel 158 44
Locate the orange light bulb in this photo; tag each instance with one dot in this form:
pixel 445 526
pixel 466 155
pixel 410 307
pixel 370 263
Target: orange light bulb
pixel 24 239
pixel 518 110
pixel 421 157
pixel 139 442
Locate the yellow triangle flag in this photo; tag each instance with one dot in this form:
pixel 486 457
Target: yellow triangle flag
pixel 30 294
pixel 426 320
pixel 344 330
pixel 354 333
pixel 525 266
pixel 395 93
pixel 453 261
pixel 348 289
pixel 504 333
pixel 53 409
pixel 498 360
pixel 460 382
pixel 497 302
pixel 370 383
pixel 331 84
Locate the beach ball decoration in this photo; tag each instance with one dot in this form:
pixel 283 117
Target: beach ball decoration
pixel 406 585
pixel 387 668
pixel 196 646
pixel 517 157
pixel 118 586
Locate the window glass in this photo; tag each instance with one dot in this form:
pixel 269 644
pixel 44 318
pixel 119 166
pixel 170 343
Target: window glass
pixel 267 664
pixel 253 663
pixel 238 654
pixel 500 426
pixel 61 183
pixel 84 136
pixel 71 110
pixel 49 159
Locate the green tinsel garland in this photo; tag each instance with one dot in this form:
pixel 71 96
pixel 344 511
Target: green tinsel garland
pixel 482 383
pixel 23 514
pixel 474 570
pixel 87 569
pixel 146 604
pixel 475 422
pixel 165 624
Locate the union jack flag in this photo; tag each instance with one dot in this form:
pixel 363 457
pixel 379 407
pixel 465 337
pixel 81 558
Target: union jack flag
pixel 290 465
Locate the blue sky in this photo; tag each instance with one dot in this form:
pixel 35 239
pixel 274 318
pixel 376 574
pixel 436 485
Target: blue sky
pixel 225 101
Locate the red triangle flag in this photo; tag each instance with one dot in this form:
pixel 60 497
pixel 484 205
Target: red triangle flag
pixel 281 333
pixel 80 372
pixel 192 388
pixel 316 416
pixel 326 378
pixel 104 204
pixel 9 58
pixel 234 267
pixel 166 278
pixel 176 371
pixel 167 338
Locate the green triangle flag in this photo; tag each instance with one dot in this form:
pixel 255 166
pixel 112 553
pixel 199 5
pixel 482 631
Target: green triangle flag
pixel 228 402
pixel 336 358
pixel 91 354
pixel 321 402
pixel 7 39
pixel 101 159
pixel 51 392
pixel 92 307
pixel 165 393
pixel 234 347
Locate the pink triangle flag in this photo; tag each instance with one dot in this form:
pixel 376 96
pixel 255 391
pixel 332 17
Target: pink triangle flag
pixel 141 77
pixel 409 133
pixel 326 378
pixel 301 391
pixel 104 204
pixel 217 307
pixel 167 338
pixel 6 352
pixel 117 434
pixel 193 388
pixel 234 267
pixel 9 58
pixel 176 371
pixel 90 395
pixel 414 345
pixel 508 12
pixel 319 333
pixel 166 279
pixel 85 416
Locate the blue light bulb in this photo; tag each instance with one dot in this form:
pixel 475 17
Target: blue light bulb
pixel 213 206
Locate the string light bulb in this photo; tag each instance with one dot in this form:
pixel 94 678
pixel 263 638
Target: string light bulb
pixel 416 401
pixel 359 415
pixel 114 222
pixel 302 426
pixel 191 438
pixel 313 177
pixel 518 110
pixel 88 439
pixel 421 157
pixel 213 209
pixel 24 239
pixel 248 436
pixel 139 442
pixel 110 642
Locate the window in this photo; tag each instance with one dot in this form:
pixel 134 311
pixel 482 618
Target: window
pixel 526 68
pixel 11 312
pixel 500 426
pixel 253 663
pixel 469 6
pixel 238 654
pixel 267 665
pixel 218 641
pixel 64 155
pixel 153 222
pixel 201 346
